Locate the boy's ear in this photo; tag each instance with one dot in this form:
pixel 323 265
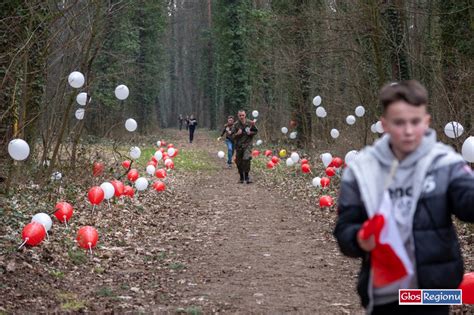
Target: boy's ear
pixel 384 122
pixel 428 119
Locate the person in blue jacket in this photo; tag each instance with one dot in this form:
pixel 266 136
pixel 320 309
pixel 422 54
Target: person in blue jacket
pixel 431 183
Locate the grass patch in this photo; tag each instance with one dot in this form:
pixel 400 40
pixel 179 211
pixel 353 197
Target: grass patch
pixel 77 257
pixel 194 160
pixel 57 274
pixel 192 310
pixel 105 292
pixel 70 302
pixel 177 266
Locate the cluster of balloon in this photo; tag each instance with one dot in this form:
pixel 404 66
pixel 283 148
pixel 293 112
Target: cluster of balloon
pixel 63 212
pixel 467 287
pixel 325 201
pixel 76 80
pixel 18 149
pixel 377 127
pixel 96 196
pixel 97 169
pixel 87 237
pixel 159 186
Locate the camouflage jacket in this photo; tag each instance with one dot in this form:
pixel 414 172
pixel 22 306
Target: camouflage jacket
pixel 243 141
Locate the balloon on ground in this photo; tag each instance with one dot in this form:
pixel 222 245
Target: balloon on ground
pixel 44 219
pixel 33 233
pixel 87 237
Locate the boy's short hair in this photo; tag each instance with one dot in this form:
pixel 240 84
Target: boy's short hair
pixel 411 91
pixel 230 116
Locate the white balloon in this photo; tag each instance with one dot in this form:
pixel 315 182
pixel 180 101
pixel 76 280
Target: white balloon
pixel 317 100
pixel 81 98
pixel 350 120
pixel 221 154
pixel 255 113
pixel 360 111
pixel 79 114
pixel 141 183
pixel 467 149
pixel 326 158
pixel 109 190
pixel 259 142
pixel 453 129
pixel 295 157
pixel 121 92
pixel 135 152
pixel 158 143
pixel 131 125
pixel 171 152
pixel 316 181
pixel 44 219
pixel 150 169
pixel 56 176
pixel 379 127
pixel 168 161
pixel 158 155
pixel 290 162
pixel 321 112
pixel 18 149
pixel 350 156
pixel 334 133
pixel 293 135
pixel 284 130
pixel 76 79
pixel 373 129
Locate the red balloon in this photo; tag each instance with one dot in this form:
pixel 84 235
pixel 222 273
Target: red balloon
pixel 170 145
pixel 336 162
pixel 325 182
pixel 175 152
pixel 118 186
pixel 33 233
pixel 159 186
pixel 96 195
pixel 330 171
pixel 162 149
pixel 170 165
pixel 467 287
pixel 165 156
pixel 275 159
pixel 305 168
pixel 63 211
pixel 325 201
pixel 255 153
pixel 270 165
pixel 160 173
pixel 268 152
pixel 163 143
pixel 153 159
pixel 126 164
pixel 98 169
pixel 132 175
pixel 304 161
pixel 87 237
pixel 152 163
pixel 128 191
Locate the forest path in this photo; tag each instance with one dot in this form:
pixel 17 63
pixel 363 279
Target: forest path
pixel 206 245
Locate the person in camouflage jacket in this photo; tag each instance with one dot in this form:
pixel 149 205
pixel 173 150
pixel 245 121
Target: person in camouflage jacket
pixel 243 132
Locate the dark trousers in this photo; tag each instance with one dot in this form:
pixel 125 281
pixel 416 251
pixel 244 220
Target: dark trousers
pixel 394 308
pixel 243 166
pixel 191 133
pixel 180 125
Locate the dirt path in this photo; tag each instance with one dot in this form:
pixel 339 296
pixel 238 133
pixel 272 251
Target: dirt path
pixel 207 245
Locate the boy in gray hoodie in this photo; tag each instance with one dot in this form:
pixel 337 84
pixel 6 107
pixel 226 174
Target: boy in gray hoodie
pixel 427 182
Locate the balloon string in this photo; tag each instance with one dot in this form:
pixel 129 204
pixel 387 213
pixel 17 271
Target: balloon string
pixel 93 208
pixel 47 234
pixel 65 221
pixel 24 242
pixel 108 201
pixel 90 247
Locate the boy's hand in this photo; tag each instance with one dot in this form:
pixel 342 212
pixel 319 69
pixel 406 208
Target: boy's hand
pixel 239 132
pixel 367 244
